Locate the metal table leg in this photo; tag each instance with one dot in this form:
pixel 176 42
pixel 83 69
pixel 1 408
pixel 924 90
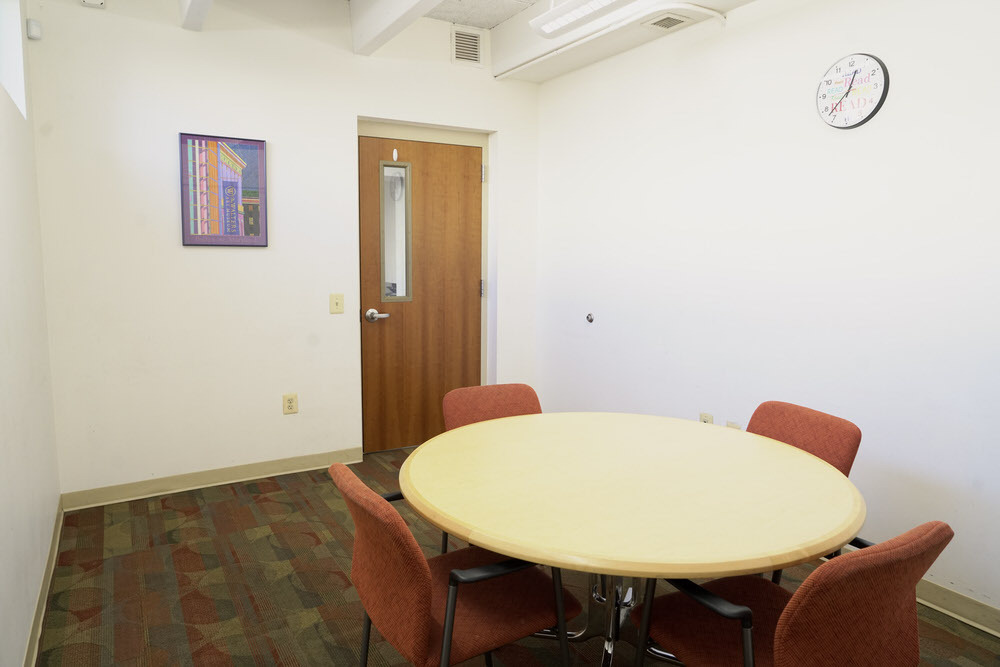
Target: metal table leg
pixel 608 605
pixel 612 617
pixel 595 618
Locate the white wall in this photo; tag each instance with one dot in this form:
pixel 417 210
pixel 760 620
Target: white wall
pixel 29 482
pixel 169 359
pixel 735 249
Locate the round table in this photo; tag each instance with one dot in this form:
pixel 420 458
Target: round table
pixel 632 495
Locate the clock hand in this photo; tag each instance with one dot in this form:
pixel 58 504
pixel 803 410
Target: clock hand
pixel 849 86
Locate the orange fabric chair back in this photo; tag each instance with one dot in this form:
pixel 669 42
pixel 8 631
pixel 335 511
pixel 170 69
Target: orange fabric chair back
pixel 832 439
pixel 861 608
pixel 469 405
pixel 388 569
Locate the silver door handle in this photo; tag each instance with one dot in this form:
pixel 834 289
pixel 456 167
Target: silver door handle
pixel 372 315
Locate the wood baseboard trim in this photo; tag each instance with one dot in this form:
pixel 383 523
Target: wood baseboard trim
pixel 960 607
pixel 31 650
pixel 75 500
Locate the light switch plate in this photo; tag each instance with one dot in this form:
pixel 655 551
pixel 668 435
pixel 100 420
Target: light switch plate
pixel 336 304
pixel 33 29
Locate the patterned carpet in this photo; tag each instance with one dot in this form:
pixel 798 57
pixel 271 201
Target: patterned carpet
pixel 258 573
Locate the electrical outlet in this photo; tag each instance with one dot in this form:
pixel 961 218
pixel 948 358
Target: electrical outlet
pixel 733 425
pixel 290 404
pixel 706 418
pixel 336 304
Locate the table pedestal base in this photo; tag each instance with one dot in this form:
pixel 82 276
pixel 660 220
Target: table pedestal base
pixel 608 606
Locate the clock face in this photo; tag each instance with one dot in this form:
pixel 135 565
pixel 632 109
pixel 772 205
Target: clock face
pixel 852 91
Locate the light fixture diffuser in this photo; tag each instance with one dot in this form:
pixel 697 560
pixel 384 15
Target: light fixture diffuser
pixel 571 14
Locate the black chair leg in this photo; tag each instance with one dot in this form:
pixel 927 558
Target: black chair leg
pixel 647 612
pixel 776 577
pixel 449 625
pixel 366 635
pixel 748 644
pixel 561 615
pixel 444 542
pixel 488 656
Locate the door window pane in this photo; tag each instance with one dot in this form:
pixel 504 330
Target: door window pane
pixel 396 270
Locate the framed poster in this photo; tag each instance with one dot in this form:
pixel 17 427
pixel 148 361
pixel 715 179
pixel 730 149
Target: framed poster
pixel 223 191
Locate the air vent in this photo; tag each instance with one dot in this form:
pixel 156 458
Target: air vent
pixel 668 22
pixel 466 47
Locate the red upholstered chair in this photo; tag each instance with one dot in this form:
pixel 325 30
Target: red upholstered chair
pixel 858 609
pixel 468 405
pixel 830 438
pixel 415 603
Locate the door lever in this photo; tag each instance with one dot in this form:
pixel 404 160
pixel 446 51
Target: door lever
pixel 373 315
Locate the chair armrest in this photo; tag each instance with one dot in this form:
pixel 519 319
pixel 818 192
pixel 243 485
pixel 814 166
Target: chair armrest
pixel 490 571
pixel 393 497
pixel 712 601
pixel 860 543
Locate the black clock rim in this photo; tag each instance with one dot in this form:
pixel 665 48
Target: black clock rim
pixel 885 93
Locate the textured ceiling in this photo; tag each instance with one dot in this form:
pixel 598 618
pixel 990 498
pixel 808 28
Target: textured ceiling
pixel 478 13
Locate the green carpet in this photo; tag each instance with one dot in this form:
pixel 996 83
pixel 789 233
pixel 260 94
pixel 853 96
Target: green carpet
pixel 258 573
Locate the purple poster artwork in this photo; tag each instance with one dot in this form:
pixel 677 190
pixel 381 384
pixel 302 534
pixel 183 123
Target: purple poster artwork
pixel 223 191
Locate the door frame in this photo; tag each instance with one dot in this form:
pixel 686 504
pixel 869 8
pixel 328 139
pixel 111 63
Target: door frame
pixel 394 129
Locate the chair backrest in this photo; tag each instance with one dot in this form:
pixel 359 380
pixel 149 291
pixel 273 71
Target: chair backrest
pixel 388 569
pixel 860 609
pixel 469 405
pixel 832 439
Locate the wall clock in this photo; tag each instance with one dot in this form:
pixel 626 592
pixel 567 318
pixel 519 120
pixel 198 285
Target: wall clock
pixel 852 91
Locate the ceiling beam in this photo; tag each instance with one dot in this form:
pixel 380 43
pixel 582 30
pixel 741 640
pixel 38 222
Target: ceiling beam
pixel 375 22
pixel 193 13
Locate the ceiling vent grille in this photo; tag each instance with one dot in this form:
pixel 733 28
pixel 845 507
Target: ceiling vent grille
pixel 668 22
pixel 467 47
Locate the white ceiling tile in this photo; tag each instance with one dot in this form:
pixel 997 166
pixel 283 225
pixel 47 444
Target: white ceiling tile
pixel 484 14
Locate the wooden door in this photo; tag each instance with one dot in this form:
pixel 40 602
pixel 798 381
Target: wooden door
pixel 430 341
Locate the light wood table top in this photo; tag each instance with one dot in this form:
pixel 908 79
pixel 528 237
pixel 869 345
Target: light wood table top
pixel 632 495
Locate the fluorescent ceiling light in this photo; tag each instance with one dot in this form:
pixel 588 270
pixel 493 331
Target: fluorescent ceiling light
pixel 572 13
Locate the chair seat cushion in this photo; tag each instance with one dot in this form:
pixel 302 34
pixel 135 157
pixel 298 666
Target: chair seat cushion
pixel 492 613
pixel 698 636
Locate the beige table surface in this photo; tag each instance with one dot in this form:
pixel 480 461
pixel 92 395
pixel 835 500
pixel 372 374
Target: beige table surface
pixel 632 495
